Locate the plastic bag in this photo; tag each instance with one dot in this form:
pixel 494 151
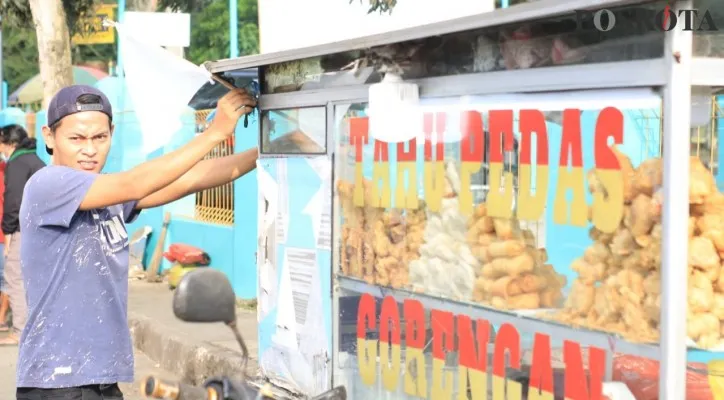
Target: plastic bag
pixel 641 375
pixel 186 255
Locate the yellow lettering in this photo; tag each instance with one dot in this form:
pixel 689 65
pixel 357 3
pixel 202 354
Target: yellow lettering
pixel 390 359
pixel 570 179
pixel 500 204
pixel 381 175
pixel 415 373
pixel 367 360
pixel 530 206
pixel 442 381
pixel 476 380
pixel 359 189
pixel 608 210
pixel 465 197
pixel 406 195
pixel 434 184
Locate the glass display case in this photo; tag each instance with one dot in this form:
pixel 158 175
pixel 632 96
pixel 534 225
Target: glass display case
pixel 549 230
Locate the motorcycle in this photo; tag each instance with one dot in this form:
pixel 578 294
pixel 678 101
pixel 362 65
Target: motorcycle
pixel 206 296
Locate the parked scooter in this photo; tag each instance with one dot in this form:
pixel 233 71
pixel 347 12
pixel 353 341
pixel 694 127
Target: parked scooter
pixel 206 295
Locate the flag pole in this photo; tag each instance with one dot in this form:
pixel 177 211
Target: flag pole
pixel 223 82
pixel 121 9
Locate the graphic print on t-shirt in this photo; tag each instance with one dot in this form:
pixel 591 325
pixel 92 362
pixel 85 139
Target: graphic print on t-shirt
pixel 113 235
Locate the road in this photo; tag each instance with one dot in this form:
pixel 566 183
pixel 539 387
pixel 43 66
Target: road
pixel 144 367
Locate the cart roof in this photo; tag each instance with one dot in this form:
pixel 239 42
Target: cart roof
pixel 518 13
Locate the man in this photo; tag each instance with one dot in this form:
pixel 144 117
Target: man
pixel 76 343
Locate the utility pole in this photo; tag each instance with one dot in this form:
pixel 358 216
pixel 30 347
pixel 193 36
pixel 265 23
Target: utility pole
pixel 3 87
pixel 119 58
pixel 233 29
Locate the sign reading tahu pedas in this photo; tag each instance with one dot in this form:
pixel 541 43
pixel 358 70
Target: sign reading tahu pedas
pixel 470 340
pixel 606 209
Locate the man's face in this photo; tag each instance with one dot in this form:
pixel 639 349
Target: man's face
pixel 82 141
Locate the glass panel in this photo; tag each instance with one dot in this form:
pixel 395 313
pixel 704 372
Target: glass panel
pixel 564 40
pixel 707 22
pixel 294 131
pixel 508 215
pixel 706 249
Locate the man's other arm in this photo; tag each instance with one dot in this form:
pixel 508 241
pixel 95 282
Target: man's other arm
pixel 204 175
pixel 211 173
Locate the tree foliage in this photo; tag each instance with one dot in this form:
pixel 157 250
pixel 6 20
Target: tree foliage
pixel 209 33
pixel 20 61
pixel 20 47
pixel 210 27
pixel 381 6
pixel 16 13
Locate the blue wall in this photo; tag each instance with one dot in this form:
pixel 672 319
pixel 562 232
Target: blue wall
pixel 231 248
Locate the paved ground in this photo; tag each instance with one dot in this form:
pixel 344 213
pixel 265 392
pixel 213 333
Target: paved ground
pixel 144 367
pixel 193 351
pixel 163 343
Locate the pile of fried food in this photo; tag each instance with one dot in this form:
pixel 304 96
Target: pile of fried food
pixel 377 244
pixel 618 288
pixel 514 274
pixel 446 266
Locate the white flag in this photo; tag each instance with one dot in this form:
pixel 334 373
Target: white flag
pixel 160 84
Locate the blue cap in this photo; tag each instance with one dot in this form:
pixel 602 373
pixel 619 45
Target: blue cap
pixel 65 103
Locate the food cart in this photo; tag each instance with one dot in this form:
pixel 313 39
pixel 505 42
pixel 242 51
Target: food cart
pixel 530 240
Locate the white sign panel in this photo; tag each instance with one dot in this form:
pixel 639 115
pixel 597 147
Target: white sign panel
pixel 160 28
pixel 315 22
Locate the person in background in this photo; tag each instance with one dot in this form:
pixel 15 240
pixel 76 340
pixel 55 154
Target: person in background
pixel 4 302
pixel 22 162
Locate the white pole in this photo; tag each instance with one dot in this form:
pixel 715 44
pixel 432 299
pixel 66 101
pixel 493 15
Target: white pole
pixel 675 249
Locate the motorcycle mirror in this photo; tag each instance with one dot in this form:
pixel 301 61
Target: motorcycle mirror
pixel 205 295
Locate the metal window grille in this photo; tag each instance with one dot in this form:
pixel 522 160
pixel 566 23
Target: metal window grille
pixel 215 205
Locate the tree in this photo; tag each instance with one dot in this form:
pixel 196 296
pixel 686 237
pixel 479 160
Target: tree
pixel 210 27
pixel 382 6
pixel 20 56
pixel 53 35
pixel 54 22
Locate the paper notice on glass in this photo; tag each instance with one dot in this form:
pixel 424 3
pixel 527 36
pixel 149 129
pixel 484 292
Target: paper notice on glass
pixel 313 341
pixel 270 191
pixel 320 206
pixel 302 264
pixel 314 210
pixel 324 240
pixel 286 324
pixel 283 202
pixel 267 289
pixel 322 166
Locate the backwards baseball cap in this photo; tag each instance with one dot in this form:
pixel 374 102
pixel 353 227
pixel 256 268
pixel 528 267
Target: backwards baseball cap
pixel 65 103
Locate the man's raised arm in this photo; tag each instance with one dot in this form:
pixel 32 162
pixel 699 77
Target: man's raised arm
pixel 152 176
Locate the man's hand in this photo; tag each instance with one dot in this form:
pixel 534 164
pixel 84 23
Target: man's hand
pixel 229 109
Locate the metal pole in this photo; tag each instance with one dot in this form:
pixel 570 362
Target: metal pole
pixel 233 29
pixel 119 58
pixel 674 256
pixel 3 97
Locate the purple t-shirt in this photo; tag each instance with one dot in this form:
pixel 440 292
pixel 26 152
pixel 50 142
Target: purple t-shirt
pixel 75 270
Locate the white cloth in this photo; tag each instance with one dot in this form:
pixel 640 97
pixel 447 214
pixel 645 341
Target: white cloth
pixel 160 85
